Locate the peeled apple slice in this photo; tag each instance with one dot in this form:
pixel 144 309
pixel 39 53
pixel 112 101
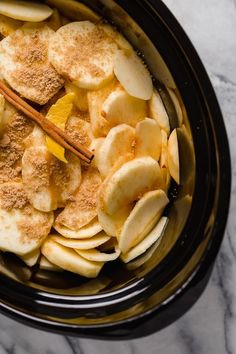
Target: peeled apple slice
pixel 169 107
pixel 25 10
pixel 83 209
pixel 87 45
pixel 154 235
pixel 133 75
pixel 31 258
pixel 96 256
pixel 148 139
pixel 118 142
pixel 112 224
pixel 158 112
pixel 120 107
pixel 141 220
pixel 173 156
pixel 126 185
pixel 58 114
pixel 100 125
pixel 44 264
pixel 139 261
pixel 88 231
pixel 69 260
pixel 81 100
pixel 95 148
pixel 84 244
pixel 117 37
pixel 8 25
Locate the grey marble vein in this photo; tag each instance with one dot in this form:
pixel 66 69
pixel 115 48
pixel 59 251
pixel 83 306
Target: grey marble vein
pixel 210 326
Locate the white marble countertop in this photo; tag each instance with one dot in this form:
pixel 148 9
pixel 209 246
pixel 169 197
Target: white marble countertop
pixel 210 326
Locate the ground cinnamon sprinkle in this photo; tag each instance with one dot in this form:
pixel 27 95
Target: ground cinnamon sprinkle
pixel 35 229
pixel 12 196
pixel 79 130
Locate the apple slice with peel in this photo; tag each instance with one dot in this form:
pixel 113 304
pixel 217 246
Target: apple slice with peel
pixel 133 75
pixel 120 107
pixel 88 231
pixel 128 183
pixel 25 10
pixel 112 224
pixel 148 139
pixel 84 244
pixel 68 259
pixel 118 142
pixel 142 219
pixel 154 235
pixel 97 256
pixel 158 112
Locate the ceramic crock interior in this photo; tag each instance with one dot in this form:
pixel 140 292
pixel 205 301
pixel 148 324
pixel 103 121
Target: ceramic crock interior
pixel 116 275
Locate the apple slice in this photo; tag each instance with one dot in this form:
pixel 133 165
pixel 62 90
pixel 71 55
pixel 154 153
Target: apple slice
pixel 117 37
pixel 31 258
pixel 81 99
pixel 87 45
pixel 83 209
pixel 142 219
pixel 133 75
pixel 97 256
pixel 128 183
pixel 118 143
pixel 25 10
pixel 154 235
pixel 95 148
pixel 148 139
pixel 45 264
pixel 173 156
pixel 120 107
pixel 158 112
pixel 112 224
pixel 84 244
pixel 100 126
pixel 68 259
pixel 88 231
pixel 169 107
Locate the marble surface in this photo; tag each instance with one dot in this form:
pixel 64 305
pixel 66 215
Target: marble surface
pixel 210 326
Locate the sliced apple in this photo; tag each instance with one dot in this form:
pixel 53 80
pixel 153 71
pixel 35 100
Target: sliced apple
pixel 112 224
pixel 141 260
pixel 133 75
pixel 84 244
pixel 31 258
pixel 88 231
pixel 95 148
pixel 154 235
pixel 45 264
pixel 117 37
pixel 118 142
pixel 169 107
pixel 186 155
pixel 166 179
pixel 120 107
pixel 68 259
pixel 158 112
pixel 97 256
pixel 81 100
pixel 87 45
pixel 173 156
pixel 148 139
pixel 100 126
pixel 25 10
pixel 142 219
pixel 130 182
pixel 74 9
